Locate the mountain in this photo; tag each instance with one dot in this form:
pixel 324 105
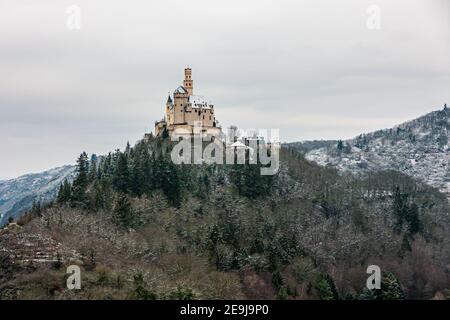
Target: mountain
pixel 419 148
pixel 17 195
pixel 142 227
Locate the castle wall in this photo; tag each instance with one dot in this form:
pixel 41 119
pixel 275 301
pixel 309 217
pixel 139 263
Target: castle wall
pixel 205 116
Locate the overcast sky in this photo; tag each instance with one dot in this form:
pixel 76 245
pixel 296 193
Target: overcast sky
pixel 313 69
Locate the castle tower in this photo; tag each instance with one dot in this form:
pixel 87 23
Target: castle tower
pixel 188 83
pixel 169 106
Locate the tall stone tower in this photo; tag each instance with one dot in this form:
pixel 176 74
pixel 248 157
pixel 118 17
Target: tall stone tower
pixel 188 83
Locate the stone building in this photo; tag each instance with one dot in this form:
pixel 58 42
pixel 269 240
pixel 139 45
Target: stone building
pixel 184 111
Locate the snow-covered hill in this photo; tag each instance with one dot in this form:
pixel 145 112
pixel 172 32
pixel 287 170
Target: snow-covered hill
pixel 17 195
pixel 419 148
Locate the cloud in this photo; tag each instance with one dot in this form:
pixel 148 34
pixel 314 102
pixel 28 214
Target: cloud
pixel 310 68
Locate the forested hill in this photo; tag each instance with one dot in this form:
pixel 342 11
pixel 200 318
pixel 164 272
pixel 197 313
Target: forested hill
pixel 144 228
pixel 419 148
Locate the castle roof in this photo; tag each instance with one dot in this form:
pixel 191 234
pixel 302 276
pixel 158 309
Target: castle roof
pixel 199 102
pixel 180 89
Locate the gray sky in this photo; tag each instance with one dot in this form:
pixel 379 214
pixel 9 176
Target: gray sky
pixel 312 68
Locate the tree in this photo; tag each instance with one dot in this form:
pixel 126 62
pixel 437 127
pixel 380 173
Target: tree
pixel 405 213
pixel 65 192
pixel 140 292
pixel 80 184
pixel 400 208
pixel 415 225
pixel 123 213
pixel 92 176
pixel 326 288
pixel 167 177
pixel 249 182
pixel 121 180
pixel 165 133
pixel 391 289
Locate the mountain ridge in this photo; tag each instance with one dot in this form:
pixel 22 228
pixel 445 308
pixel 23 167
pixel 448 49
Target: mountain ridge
pixel 17 195
pixel 418 148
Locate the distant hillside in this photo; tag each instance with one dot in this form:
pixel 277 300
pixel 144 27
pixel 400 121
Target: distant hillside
pixel 17 195
pixel 419 148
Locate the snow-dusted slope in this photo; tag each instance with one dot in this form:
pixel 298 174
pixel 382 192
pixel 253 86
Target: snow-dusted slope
pixel 17 195
pixel 419 148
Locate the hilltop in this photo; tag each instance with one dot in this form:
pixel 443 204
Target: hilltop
pixel 419 148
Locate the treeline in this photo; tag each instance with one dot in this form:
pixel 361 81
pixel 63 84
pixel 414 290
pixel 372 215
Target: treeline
pixel 308 227
pixel 107 182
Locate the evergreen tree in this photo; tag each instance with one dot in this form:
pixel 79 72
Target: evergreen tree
pixel 80 184
pixel 248 180
pixel 98 196
pixel 121 180
pixel 415 225
pixel 400 208
pixel 128 148
pixel 123 214
pixel 391 289
pixel 92 176
pixel 167 176
pixel 65 192
pixel 326 288
pixel 140 292
pixel 406 214
pixel 165 133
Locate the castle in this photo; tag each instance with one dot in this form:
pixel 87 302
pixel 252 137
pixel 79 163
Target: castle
pixel 184 111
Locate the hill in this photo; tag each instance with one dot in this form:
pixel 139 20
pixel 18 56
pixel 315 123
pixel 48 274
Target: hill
pixel 17 195
pixel 418 148
pixel 143 228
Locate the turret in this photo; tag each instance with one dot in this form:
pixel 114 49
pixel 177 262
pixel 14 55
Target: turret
pixel 169 106
pixel 188 83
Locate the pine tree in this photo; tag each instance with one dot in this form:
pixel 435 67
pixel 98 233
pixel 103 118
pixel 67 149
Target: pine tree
pixel 123 214
pixel 326 288
pixel 413 219
pixel 167 177
pixel 121 180
pixel 65 191
pixel 400 208
pixel 128 148
pixel 165 133
pixel 340 145
pixel 405 213
pixel 92 176
pixel 80 184
pixel 391 289
pixel 248 180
